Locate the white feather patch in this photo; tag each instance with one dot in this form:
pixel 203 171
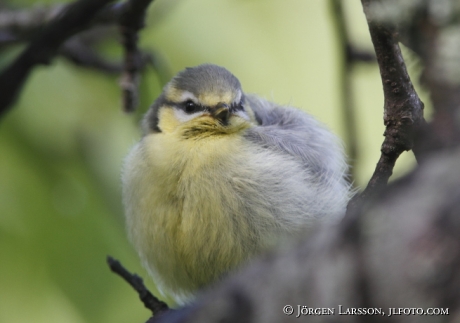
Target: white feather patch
pixel 186 95
pixel 182 116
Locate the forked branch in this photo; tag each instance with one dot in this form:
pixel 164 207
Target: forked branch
pixel 403 109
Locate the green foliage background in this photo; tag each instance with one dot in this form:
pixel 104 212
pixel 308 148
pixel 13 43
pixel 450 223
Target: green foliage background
pixel 63 144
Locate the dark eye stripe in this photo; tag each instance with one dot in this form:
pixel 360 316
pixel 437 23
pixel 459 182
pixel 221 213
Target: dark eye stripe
pixel 191 107
pixel 188 106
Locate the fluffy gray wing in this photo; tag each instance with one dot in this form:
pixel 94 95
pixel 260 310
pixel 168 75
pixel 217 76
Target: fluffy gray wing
pixel 294 132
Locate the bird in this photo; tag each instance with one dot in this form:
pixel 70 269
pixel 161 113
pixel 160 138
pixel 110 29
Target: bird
pixel 220 176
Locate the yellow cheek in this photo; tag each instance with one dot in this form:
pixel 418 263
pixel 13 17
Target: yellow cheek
pixel 201 126
pixel 168 121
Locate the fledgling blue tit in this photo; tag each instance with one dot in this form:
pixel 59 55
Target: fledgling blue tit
pixel 220 176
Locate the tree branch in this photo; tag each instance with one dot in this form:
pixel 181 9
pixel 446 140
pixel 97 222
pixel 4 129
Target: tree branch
pixel 150 302
pixel 61 23
pixel 131 21
pixel 351 136
pixel 403 109
pixel 83 55
pixel 349 57
pixel 73 18
pixel 25 23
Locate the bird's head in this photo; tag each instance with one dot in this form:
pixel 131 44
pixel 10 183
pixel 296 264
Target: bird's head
pixel 200 101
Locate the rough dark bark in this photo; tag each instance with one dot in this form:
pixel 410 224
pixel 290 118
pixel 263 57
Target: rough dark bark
pixel 403 109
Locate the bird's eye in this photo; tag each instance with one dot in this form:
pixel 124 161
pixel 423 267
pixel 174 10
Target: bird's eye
pixel 191 106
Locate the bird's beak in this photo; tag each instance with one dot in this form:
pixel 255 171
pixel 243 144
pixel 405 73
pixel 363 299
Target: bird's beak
pixel 221 112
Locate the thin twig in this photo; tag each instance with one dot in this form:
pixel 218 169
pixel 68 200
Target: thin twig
pixel 403 109
pixel 346 66
pixel 131 21
pixel 26 22
pixel 150 302
pixel 129 81
pixel 83 55
pixel 350 56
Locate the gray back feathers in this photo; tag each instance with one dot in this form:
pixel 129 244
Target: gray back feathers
pixel 287 130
